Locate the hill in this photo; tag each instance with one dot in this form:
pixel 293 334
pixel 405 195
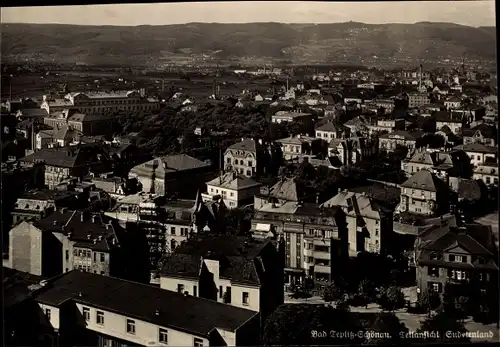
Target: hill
pixel 290 42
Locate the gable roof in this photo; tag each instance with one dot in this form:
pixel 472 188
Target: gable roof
pixel 67 157
pixel 424 180
pixel 245 145
pixel 329 126
pixel 143 301
pixel 477 148
pixel 231 180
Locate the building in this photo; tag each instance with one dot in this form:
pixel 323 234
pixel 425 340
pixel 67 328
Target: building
pixel 454 163
pixel 483 133
pixel 171 175
pixel 236 271
pixel 312 240
pixel 67 240
pixel 290 116
pixel 67 162
pixel 91 124
pixel 102 102
pixel 455 122
pixel 235 190
pixel 296 146
pixel 423 194
pixel 245 157
pixel 368 222
pixel 386 126
pixel 37 204
pixel 487 172
pixel 417 99
pixel 456 256
pixel 479 153
pixel 352 150
pixel 400 138
pixel 452 103
pixel 85 308
pixel 329 131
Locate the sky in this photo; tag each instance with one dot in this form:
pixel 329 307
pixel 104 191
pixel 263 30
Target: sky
pixel 472 13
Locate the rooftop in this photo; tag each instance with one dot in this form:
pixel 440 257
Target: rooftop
pixel 477 148
pixel 143 302
pixel 424 180
pixel 233 181
pixel 245 145
pixel 168 164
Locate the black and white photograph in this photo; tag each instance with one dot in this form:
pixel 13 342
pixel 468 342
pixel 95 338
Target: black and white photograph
pixel 238 173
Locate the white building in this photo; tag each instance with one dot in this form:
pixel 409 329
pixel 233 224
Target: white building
pixel 232 188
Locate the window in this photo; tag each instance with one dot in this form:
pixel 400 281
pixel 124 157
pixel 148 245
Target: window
pixel 48 313
pixel 86 313
pixel 464 259
pixel 163 336
pixel 436 287
pixel 197 342
pixel 451 257
pixel 220 292
pixel 232 194
pixel 229 160
pixel 433 271
pixel 195 291
pixel 180 288
pixel 95 256
pixel 102 258
pixel 245 298
pixel 249 173
pixel 67 254
pixel 130 326
pixel 99 318
pixel 250 163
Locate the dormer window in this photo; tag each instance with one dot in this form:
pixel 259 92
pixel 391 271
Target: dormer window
pixel 481 260
pixel 434 256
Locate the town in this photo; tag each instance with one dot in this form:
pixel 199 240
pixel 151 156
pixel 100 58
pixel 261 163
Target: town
pixel 243 206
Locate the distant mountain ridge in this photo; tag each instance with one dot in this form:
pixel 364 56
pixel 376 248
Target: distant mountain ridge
pixel 293 42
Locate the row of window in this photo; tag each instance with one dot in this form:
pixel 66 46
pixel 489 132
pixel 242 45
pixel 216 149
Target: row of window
pixel 240 162
pixel 131 327
pixel 223 192
pixel 184 231
pixel 455 274
pixel 83 253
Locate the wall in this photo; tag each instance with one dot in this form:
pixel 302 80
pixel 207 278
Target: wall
pixel 170 283
pixel 25 249
pixel 253 297
pixel 54 315
pixel 147 334
pixel 477 159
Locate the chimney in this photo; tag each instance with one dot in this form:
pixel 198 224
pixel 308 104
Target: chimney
pixel 317 198
pixel 81 217
pixel 94 241
pixel 54 223
pixel 93 218
pixel 99 237
pixel 89 236
pixel 157 312
pixel 70 234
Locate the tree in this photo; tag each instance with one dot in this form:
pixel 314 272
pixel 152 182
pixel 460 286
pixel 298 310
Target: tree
pixel 366 290
pixel 302 324
pixel 387 328
pixel 429 300
pixel 333 292
pixel 443 323
pixel 391 298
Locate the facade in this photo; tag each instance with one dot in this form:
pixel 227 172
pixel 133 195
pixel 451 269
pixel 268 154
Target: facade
pixel 245 157
pixel 296 147
pixel 64 241
pixel 101 102
pixel 423 194
pixel 328 132
pixel 311 238
pixel 487 172
pixel 454 163
pixel 234 190
pixel 418 99
pixel 64 163
pixel 85 308
pixel 452 103
pixel 352 150
pixel 91 124
pixel 457 256
pixel 37 204
pixel 386 126
pixel 478 153
pixel 483 134
pixel 290 116
pixel 454 121
pixel 411 140
pixel 170 175
pixel 212 268
pixel 368 223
